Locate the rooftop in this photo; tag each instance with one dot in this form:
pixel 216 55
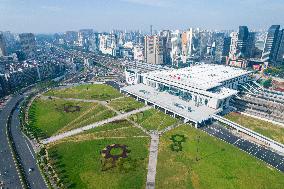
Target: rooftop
pixel 187 109
pixel 201 76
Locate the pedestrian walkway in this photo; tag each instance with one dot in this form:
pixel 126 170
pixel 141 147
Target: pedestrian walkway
pixel 153 159
pixel 97 124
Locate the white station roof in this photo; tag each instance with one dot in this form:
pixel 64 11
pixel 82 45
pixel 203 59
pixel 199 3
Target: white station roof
pixel 201 76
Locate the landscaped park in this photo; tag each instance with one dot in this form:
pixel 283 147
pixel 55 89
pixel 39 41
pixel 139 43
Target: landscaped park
pixel 115 153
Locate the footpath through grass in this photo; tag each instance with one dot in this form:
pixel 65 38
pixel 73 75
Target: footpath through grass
pixel 153 119
pixel 90 91
pixel 46 117
pixel 265 128
pixel 80 164
pixel 96 113
pixel 219 165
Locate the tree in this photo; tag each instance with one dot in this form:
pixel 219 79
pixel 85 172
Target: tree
pixel 267 83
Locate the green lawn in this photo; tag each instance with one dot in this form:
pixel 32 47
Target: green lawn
pixel 210 163
pixel 94 114
pixel 153 119
pixel 79 163
pixel 125 104
pixel 265 128
pixel 94 92
pixel 48 116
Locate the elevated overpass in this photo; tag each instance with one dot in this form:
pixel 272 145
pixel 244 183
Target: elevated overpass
pixel 269 142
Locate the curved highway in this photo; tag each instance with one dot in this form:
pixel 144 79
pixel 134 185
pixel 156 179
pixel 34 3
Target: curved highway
pixel 24 149
pixel 8 172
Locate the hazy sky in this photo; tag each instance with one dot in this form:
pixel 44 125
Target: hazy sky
pixel 103 15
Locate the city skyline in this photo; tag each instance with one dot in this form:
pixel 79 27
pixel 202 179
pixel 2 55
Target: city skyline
pixel 59 16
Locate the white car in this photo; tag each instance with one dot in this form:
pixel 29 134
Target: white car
pixel 31 170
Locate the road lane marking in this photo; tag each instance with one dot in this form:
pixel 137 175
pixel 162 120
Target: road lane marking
pixel 29 149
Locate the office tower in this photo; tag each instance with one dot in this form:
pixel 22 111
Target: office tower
pixel 28 44
pixel 167 46
pixel 205 42
pixel 270 49
pixel 2 46
pixel 219 46
pixel 280 53
pixel 186 45
pixel 226 47
pixel 153 50
pixel 251 48
pixel 243 36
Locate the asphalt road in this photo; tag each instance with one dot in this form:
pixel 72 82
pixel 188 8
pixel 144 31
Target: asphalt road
pixel 8 172
pixel 27 156
pixel 26 153
pixel 270 157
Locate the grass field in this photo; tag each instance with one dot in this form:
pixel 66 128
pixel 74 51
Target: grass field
pixel 96 113
pixel 79 163
pixel 219 165
pixel 125 104
pixel 153 119
pixel 265 128
pixel 48 116
pixel 94 92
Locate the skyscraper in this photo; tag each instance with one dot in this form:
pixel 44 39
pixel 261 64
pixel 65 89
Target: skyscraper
pixel 186 45
pixel 219 46
pixel 242 41
pixel 270 49
pixel 250 50
pixel 233 45
pixel 2 45
pixel 280 53
pixel 28 44
pixel 153 50
pixel 226 47
pixel 176 47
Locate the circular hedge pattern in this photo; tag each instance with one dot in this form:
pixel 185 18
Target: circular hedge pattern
pixel 111 152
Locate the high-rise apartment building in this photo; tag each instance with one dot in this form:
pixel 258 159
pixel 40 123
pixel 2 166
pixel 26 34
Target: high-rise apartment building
pixel 176 47
pixel 153 49
pixel 271 44
pixel 186 45
pixel 28 44
pixel 108 44
pixel 2 46
pixel 233 45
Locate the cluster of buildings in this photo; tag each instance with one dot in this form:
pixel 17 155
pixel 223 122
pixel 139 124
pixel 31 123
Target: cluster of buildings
pixel 25 63
pixel 242 48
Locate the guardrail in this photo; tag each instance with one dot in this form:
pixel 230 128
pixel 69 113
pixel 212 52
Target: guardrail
pixel 271 143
